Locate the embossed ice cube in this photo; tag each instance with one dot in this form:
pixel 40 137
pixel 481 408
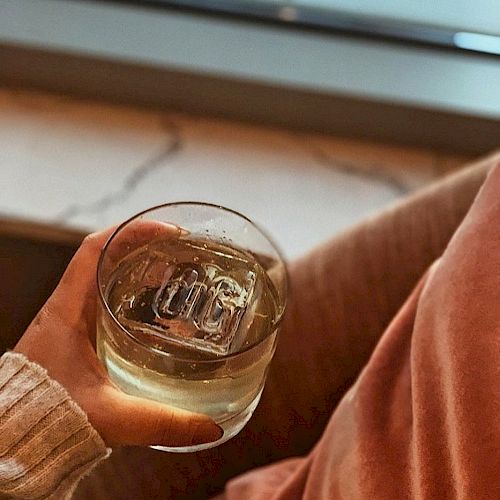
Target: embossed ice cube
pixel 202 303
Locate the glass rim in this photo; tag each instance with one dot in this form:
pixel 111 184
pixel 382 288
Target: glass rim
pixel 276 324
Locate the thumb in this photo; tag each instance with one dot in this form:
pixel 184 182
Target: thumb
pixel 140 422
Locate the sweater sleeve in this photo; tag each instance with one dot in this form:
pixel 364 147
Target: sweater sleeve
pixel 46 442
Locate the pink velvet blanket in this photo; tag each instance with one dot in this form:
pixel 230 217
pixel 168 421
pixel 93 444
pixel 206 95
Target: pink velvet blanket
pixel 423 418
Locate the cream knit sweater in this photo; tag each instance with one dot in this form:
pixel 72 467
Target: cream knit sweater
pixel 35 460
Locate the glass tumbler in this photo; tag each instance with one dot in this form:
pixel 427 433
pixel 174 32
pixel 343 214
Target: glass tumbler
pixel 191 296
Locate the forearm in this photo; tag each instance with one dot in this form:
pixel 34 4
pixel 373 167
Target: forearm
pixel 46 442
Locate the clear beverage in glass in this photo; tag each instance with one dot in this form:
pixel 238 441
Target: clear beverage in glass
pixel 191 296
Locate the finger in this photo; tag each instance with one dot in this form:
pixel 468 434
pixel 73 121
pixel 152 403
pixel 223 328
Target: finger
pixel 81 270
pixel 80 273
pixel 77 288
pixel 138 233
pixel 73 298
pixel 143 422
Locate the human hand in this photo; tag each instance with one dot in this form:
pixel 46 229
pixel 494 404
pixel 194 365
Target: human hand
pixel 60 339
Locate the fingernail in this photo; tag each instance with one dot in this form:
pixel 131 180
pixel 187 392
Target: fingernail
pixel 207 434
pixel 180 230
pixel 220 431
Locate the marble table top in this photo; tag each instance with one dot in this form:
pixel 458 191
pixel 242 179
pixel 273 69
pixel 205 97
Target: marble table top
pixel 87 165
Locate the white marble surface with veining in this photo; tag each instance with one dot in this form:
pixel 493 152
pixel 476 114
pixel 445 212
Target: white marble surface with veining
pixel 89 165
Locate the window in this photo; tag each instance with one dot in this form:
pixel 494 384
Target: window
pixel 462 24
pixel 424 72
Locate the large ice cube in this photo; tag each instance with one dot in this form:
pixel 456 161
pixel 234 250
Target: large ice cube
pixel 204 303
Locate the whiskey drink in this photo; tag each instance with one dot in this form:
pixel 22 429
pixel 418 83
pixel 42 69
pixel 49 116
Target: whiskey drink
pixel 192 322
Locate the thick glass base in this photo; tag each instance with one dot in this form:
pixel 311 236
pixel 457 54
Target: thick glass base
pixel 231 427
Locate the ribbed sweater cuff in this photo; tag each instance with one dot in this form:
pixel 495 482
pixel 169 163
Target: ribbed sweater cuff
pixel 46 441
